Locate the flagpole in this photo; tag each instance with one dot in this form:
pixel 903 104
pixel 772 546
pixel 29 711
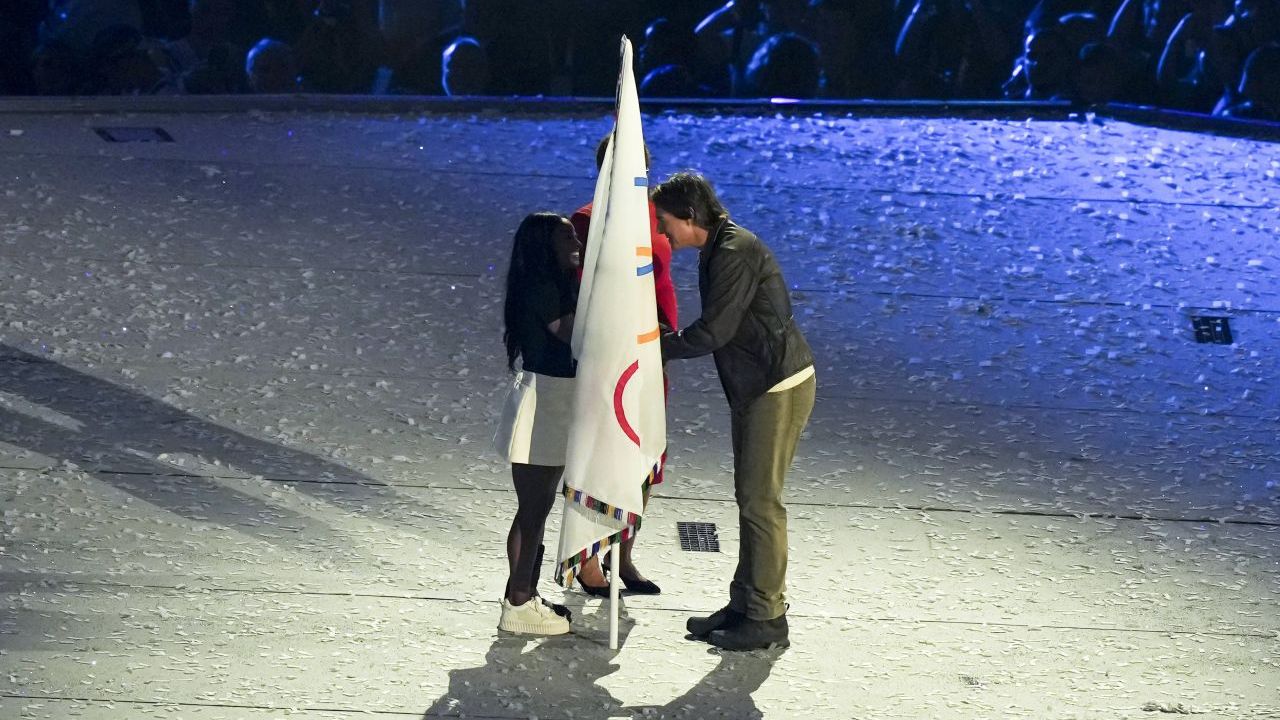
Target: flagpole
pixel 615 563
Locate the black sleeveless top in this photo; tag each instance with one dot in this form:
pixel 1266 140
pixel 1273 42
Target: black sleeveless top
pixel 540 351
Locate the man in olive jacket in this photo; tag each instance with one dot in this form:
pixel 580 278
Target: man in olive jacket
pixel 766 369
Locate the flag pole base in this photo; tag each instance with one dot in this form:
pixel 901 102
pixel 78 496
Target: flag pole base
pixel 616 564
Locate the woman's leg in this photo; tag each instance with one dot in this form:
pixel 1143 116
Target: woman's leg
pixel 591 574
pixel 628 569
pixel 535 496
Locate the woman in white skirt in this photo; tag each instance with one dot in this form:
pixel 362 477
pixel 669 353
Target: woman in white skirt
pixel 534 431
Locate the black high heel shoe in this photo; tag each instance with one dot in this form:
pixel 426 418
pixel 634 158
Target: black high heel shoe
pixel 635 587
pixel 640 587
pixel 595 590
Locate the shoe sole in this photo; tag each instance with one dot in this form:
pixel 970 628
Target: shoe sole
pixel 781 644
pixel 531 629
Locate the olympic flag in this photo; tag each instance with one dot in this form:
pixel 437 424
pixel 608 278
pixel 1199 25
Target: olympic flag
pixel 619 427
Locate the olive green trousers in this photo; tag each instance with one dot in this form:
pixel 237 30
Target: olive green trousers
pixel 765 435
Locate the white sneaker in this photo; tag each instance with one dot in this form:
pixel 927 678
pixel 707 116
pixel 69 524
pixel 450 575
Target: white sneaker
pixel 531 618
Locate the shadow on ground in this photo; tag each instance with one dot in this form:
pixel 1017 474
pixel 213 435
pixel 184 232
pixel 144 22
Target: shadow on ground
pixel 119 436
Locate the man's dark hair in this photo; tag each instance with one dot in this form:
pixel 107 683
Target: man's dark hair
pixel 603 147
pixel 688 195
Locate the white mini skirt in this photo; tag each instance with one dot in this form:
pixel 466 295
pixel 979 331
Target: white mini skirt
pixel 534 429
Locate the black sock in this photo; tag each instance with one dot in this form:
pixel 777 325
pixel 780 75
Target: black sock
pixel 537 569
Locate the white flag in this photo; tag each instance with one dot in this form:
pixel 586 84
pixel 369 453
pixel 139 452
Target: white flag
pixel 619 428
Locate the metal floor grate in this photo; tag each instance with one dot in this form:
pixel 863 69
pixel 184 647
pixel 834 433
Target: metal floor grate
pixel 133 134
pixel 698 537
pixel 1211 329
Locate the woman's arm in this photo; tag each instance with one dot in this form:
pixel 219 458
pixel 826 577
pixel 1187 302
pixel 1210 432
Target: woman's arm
pixel 663 287
pixel 562 328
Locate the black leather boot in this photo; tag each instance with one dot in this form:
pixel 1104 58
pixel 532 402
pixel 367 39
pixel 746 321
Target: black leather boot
pixel 725 617
pixel 753 635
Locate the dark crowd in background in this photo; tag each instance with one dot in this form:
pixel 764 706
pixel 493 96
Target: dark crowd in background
pixel 1210 56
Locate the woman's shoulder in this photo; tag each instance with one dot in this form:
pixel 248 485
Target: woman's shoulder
pixel 538 291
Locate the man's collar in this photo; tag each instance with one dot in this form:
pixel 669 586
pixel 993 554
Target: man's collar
pixel 712 237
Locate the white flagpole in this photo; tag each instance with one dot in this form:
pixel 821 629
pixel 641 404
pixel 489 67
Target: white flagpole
pixel 615 563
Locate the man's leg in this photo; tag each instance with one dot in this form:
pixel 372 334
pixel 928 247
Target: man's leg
pixel 767 437
pixel 740 587
pixel 735 612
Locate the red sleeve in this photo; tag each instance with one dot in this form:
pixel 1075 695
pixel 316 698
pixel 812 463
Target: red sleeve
pixel 663 287
pixel 581 222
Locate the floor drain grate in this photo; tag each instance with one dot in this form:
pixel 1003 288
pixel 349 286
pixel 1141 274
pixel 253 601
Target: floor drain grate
pixel 698 536
pixel 1211 329
pixel 133 134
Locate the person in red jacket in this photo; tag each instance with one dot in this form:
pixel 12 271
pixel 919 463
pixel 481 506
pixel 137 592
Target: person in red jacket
pixel 590 576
